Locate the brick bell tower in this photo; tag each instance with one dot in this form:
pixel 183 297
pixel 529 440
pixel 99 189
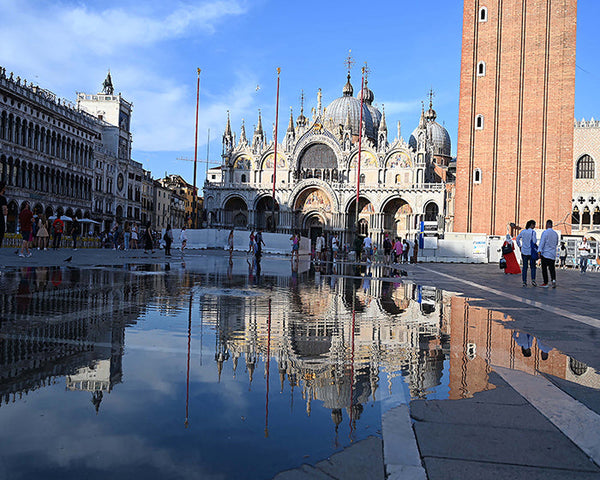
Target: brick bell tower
pixel 516 114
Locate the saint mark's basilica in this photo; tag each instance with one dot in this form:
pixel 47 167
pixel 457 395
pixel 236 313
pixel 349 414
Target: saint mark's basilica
pixel 402 183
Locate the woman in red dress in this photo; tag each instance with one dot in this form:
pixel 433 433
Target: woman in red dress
pixel 512 265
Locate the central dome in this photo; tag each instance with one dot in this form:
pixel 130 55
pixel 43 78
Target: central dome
pixel 337 111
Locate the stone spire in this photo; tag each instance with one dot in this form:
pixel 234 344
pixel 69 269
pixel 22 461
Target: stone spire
pixel 319 105
pixel 290 135
pixel 258 140
pixel 243 139
pixel 291 124
pixel 301 121
pixel 228 137
pixel 382 133
pixel 107 85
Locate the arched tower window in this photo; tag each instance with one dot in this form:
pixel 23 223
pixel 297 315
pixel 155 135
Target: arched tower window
pixel 483 14
pixel 585 167
pixel 479 122
pixel 481 69
pixel 477 175
pixel 243 178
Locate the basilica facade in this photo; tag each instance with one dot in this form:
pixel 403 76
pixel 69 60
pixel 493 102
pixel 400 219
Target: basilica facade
pixel 403 185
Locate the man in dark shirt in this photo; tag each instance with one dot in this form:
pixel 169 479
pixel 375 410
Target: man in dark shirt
pixel 26 222
pixel 3 211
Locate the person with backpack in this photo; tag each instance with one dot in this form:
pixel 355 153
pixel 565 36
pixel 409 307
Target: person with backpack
pixel 58 227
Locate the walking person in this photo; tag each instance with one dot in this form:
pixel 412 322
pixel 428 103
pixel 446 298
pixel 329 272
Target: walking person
pixel 168 240
pixel 57 230
pixel 525 240
pixel 368 247
pixel 508 252
pixel 134 237
pixel 562 254
pixel 387 249
pixel 183 239
pixel 126 236
pixel 295 245
pixel 3 211
pixel 398 251
pixel 251 242
pixel 548 246
pixel 26 223
pixel 230 243
pixel 42 233
pixel 259 243
pixel 584 253
pixel 75 231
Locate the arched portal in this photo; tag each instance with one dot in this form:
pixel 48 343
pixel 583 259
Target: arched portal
pixel 235 212
pixel 365 213
pixel 396 217
pixel 317 161
pixel 313 208
pixel 264 213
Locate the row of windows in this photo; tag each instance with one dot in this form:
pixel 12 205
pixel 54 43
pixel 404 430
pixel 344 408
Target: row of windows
pixel 481 70
pixel 44 179
pixel 27 134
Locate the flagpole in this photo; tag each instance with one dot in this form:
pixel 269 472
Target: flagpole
pixel 275 152
pixel 194 199
pixel 362 86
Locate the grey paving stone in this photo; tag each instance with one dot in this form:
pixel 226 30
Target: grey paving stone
pixel 445 469
pixel 500 445
pixel 363 460
pixel 405 472
pixel 586 395
pixel 468 412
pixel 305 472
pixel 399 444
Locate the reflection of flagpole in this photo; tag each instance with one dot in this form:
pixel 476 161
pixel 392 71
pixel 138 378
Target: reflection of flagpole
pixel 195 201
pixel 187 387
pixel 275 152
pixel 362 86
pixel 352 359
pixel 268 364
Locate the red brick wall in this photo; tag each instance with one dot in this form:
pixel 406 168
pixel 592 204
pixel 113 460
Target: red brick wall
pixel 527 98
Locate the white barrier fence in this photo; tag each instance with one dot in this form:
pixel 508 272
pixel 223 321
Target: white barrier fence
pixel 206 238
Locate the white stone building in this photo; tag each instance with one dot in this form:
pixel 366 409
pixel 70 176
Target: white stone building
pixel 401 183
pixel 586 183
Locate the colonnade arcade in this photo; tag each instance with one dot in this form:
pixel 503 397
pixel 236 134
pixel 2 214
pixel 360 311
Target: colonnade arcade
pixel 313 209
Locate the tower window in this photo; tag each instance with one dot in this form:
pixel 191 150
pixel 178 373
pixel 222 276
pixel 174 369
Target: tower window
pixel 243 178
pixel 477 175
pixel 479 122
pixel 585 167
pixel 481 69
pixel 483 14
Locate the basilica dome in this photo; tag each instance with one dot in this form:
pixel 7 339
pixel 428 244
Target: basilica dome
pixel 436 132
pixel 368 97
pixel 337 111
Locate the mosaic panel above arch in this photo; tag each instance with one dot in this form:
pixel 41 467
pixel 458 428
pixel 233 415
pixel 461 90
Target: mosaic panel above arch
pixel 367 160
pixel 243 162
pixel 313 199
pixel 268 161
pixel 399 160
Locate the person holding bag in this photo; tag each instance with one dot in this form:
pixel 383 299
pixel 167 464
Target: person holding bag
pixel 508 253
pixel 527 242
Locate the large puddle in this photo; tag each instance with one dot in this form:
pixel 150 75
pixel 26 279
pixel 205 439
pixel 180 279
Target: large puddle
pixel 156 371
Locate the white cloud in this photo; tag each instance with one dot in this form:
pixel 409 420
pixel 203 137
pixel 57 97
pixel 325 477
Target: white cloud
pixel 396 108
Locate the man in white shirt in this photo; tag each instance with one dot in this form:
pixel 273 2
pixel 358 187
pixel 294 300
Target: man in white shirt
pixel 548 246
pixel 319 244
pixel 584 253
pixel 524 241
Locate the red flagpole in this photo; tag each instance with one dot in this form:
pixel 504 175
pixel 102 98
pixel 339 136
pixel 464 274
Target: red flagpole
pixel 275 153
pixel 362 86
pixel 194 200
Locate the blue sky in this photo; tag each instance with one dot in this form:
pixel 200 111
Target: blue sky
pixel 154 47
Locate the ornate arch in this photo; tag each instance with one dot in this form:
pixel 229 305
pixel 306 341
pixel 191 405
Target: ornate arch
pixel 313 137
pixel 370 160
pixel 314 182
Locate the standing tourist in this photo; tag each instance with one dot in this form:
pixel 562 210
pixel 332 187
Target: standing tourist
pixel 148 240
pixel 75 231
pixel 3 211
pixel 126 236
pixel 134 237
pixel 259 243
pixel 562 254
pixel 525 240
pixel 508 252
pixel 584 253
pixel 398 250
pixel 183 239
pixel 295 245
pixel 168 240
pixel 387 249
pixel 405 250
pixel 26 222
pixel 57 230
pixel 415 256
pixel 548 245
pixel 368 247
pixel 335 246
pixel 42 233
pixel 319 246
pixel 251 242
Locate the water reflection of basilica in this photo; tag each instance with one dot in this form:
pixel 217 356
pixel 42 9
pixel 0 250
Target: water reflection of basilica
pixel 66 322
pixel 334 338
